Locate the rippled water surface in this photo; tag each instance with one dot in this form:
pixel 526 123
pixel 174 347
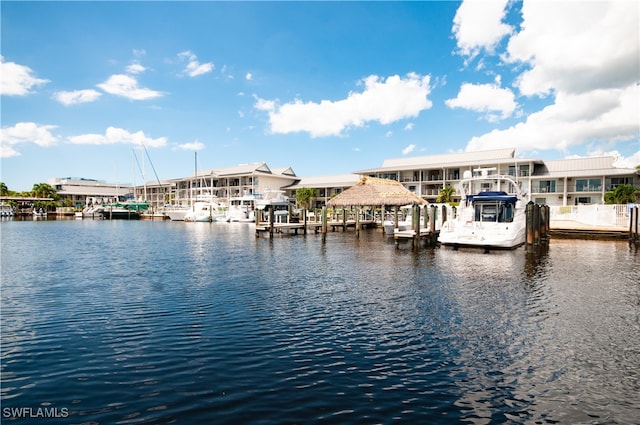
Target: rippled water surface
pixel 170 322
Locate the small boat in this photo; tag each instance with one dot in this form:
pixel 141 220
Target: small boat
pixel 6 210
pixel 128 210
pixel 205 209
pixel 405 223
pixel 491 213
pixel 242 208
pixel 276 201
pixel 176 212
pixel 39 213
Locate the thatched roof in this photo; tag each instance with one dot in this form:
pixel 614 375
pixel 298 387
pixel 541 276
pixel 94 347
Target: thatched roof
pixel 373 192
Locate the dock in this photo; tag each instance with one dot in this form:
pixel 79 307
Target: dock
pixel 273 228
pixel 426 237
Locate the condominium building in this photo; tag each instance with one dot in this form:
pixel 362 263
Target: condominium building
pixel 77 189
pixel 225 183
pixel 558 182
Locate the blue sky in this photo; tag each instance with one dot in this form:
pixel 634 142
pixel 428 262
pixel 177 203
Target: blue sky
pixel 324 87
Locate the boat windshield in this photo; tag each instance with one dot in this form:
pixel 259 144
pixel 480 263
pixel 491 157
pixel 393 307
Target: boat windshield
pixel 494 212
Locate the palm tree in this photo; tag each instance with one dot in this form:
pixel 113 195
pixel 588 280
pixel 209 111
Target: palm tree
pixel 304 196
pixel 446 194
pixel 43 190
pixel 622 194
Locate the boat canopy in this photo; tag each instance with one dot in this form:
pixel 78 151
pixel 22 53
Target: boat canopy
pixel 495 196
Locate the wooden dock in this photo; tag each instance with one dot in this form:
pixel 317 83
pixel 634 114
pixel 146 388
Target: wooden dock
pixel 426 236
pixel 275 228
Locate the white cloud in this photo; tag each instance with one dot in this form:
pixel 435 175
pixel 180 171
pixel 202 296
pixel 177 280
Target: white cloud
pixel 610 115
pixel 249 76
pixel 17 80
pixel 629 162
pixel 586 57
pixel 576 47
pixel 409 126
pixel 76 96
pixel 194 68
pixel 478 25
pixel 192 146
pixel 486 98
pixel 127 86
pixel 408 149
pixel 25 132
pixel 136 68
pixel 385 101
pixel 115 135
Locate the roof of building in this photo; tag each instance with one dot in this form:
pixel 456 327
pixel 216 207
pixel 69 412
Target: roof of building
pixel 246 169
pixel 582 167
pixel 338 180
pixel 458 159
pixel 371 191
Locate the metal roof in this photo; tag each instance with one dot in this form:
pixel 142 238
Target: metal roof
pixel 583 167
pixel 459 159
pixel 338 180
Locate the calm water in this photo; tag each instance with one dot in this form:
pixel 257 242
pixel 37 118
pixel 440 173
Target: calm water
pixel 123 322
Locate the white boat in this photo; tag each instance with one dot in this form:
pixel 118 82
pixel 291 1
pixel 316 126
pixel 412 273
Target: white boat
pixel 205 209
pixel 242 208
pixel 176 212
pixel 405 223
pixel 94 205
pixel 6 210
pixel 274 200
pixel 39 213
pixel 491 213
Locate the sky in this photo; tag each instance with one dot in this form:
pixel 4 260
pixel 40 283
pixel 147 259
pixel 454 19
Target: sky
pixel 128 91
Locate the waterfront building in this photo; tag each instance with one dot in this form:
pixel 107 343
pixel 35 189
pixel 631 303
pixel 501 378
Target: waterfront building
pixel 326 187
pixel 78 189
pixel 225 183
pixel 559 182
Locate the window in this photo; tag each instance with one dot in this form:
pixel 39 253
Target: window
pixel 583 200
pixel 588 185
pixel 498 212
pixel 617 181
pixel 544 186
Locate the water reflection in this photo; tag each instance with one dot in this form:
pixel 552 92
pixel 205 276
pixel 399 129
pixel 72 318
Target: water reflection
pixel 204 322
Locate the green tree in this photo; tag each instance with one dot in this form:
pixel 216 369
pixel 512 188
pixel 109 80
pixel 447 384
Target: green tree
pixel 43 190
pixel 304 196
pixel 446 194
pixel 622 194
pixel 4 190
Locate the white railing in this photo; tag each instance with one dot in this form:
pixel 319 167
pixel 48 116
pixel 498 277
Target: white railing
pixel 592 215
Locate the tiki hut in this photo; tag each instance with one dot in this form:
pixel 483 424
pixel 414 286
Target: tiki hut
pixel 375 192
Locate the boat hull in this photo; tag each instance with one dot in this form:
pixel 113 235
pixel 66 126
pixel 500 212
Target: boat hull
pixel 120 215
pixel 500 237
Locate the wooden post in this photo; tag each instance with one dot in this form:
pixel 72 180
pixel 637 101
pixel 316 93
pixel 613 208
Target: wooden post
pixel 634 213
pixel 272 218
pixel 324 223
pixel 395 217
pixel 344 219
pixel 415 225
pixel 544 223
pixel 256 220
pixel 536 224
pixel 304 221
pixel 425 218
pixel 529 226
